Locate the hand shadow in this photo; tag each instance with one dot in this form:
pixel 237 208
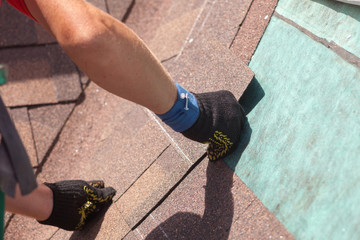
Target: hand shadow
pixel 219 203
pixel 218 214
pixel 251 96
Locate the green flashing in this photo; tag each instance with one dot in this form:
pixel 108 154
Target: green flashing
pixel 302 158
pixel 328 19
pixel 3 74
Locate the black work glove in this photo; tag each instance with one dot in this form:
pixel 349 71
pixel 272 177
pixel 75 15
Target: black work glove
pixel 76 202
pixel 219 124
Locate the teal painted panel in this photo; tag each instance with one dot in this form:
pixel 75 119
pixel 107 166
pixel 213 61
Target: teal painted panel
pixel 328 19
pixel 303 156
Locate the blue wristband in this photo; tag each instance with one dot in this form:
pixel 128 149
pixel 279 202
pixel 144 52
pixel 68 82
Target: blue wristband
pixel 184 113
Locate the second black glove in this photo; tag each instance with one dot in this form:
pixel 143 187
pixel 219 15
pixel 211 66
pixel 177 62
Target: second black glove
pixel 76 202
pixel 219 124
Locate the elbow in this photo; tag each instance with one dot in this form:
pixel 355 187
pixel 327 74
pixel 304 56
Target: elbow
pixel 80 38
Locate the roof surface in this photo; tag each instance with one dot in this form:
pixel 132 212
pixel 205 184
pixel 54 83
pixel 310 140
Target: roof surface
pixel 72 129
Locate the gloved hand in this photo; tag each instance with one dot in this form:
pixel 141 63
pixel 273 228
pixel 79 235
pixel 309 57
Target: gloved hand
pixel 219 124
pixel 76 202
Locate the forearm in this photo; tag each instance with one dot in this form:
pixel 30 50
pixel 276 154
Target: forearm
pixel 107 51
pixel 120 62
pixel 37 204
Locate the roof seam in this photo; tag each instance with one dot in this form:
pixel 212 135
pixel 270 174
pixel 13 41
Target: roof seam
pixel 343 53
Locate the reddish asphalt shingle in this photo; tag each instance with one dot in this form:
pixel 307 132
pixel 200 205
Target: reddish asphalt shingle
pixel 164 25
pixel 119 8
pixel 220 20
pixel 205 65
pixel 170 37
pixel 24 228
pixel 163 175
pixel 252 29
pixel 39 75
pixel 46 122
pixel 112 139
pixel 19 30
pixel 211 203
pixel 99 4
pixel 22 123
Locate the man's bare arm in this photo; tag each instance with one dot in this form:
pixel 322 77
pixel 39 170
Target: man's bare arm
pixel 107 51
pixel 38 204
pixel 117 60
